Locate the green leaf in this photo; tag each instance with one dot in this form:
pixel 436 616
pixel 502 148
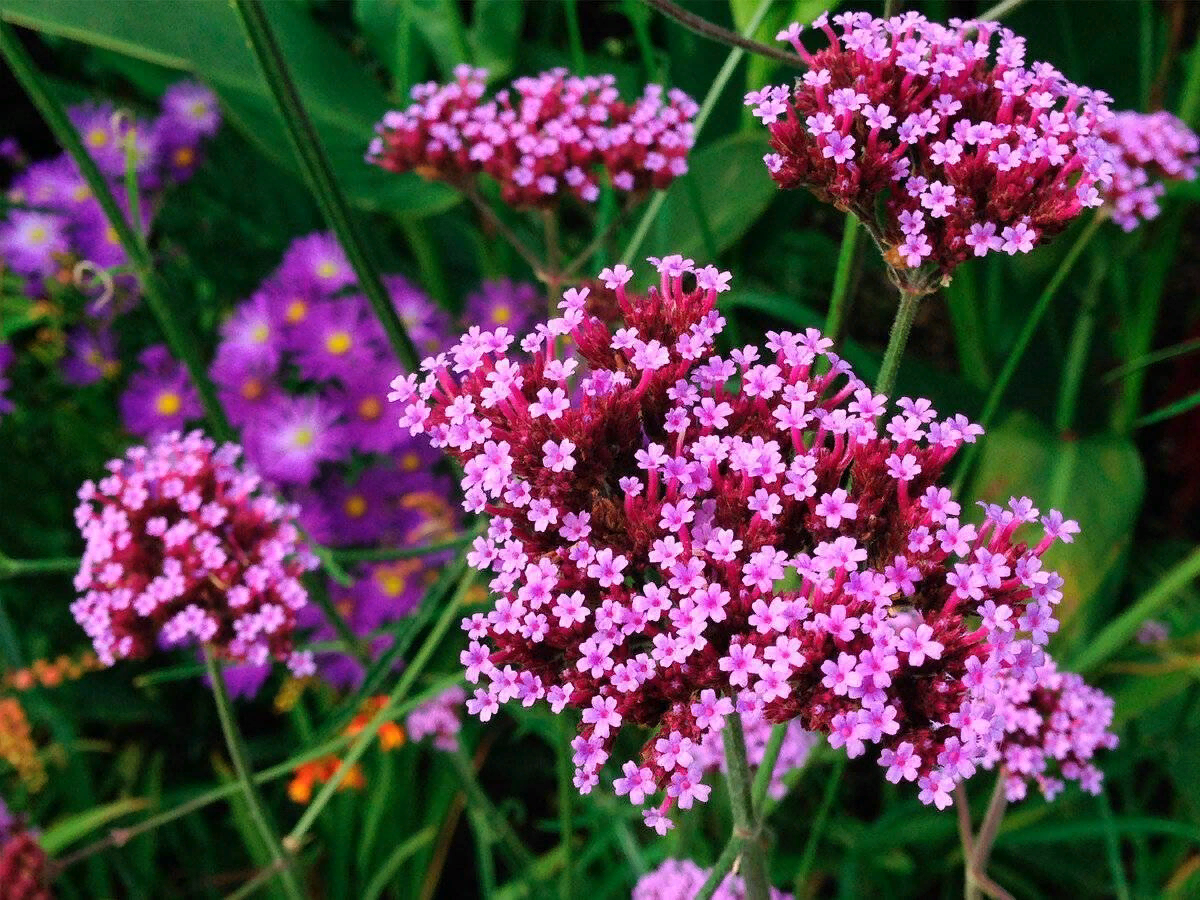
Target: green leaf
pixel 732 189
pixel 441 25
pixel 203 37
pixel 1097 480
pixel 495 33
pixel 67 831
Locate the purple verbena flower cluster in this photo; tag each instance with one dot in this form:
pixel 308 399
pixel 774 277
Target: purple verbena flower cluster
pixel 1150 148
pixel 439 719
pixel 1053 723
pixel 183 547
pixel 677 535
pixel 944 149
pixel 545 137
pixel 681 879
pixel 55 222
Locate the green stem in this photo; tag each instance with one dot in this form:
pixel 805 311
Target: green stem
pixel 241 767
pixel 314 163
pixel 1150 359
pixel 714 32
pixel 261 879
pixel 566 793
pixel 354 645
pixel 996 394
pixel 387 554
pixel 575 38
pixel 20 568
pixel 906 312
pixel 747 829
pixel 1119 632
pixel 379 881
pixel 1001 9
pixel 495 826
pixel 836 316
pixel 818 828
pixel 1077 352
pixel 178 337
pixel 363 739
pixel 762 778
pixel 706 108
pixel 981 850
pixel 720 869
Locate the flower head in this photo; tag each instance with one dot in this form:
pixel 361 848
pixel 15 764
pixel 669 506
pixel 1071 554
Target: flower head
pixel 682 879
pixel 183 547
pixel 160 397
pixel 1151 148
pixel 929 134
pixel 742 532
pixel 544 137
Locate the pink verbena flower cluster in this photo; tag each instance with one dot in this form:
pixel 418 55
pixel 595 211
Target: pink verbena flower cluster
pixel 1151 148
pixel 545 137
pixel 943 150
pixel 1053 722
pixel 677 535
pixel 681 879
pixel 439 719
pixel 183 548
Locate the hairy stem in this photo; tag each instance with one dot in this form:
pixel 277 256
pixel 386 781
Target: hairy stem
pixel 747 828
pixel 836 316
pixel 714 32
pixel 906 312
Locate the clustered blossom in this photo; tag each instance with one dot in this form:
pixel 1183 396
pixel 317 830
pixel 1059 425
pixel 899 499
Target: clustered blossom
pixel 54 222
pixel 1150 148
pixel 1053 725
pixel 678 535
pixel 681 879
pixel 547 136
pixel 944 150
pixel 183 547
pixel 302 369
pixel 439 719
pixel 23 863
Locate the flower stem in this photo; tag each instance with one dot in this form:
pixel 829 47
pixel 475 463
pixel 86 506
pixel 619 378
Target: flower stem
pixel 747 828
pixel 178 337
pixel 766 768
pixel 841 279
pixel 21 568
pixel 706 108
pixel 241 766
pixel 1077 352
pixel 565 798
pixel 818 827
pixel 387 554
pixel 714 32
pixel 978 882
pixel 492 822
pixel 314 163
pixel 906 312
pixel 996 394
pixel 719 870
pixel 399 692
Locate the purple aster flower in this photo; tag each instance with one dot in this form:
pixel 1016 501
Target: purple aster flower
pixel 91 355
pixel 52 184
pixel 192 107
pixel 94 122
pixel 179 152
pixel 316 262
pixel 247 389
pixel 160 398
pixel 427 325
pixel 296 436
pixel 515 305
pixel 363 510
pixel 253 334
pixel 29 241
pixel 336 340
pixel 370 427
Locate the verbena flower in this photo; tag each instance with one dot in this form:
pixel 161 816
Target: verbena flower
pixel 440 719
pixel 183 547
pixel 23 863
pixel 1053 725
pixel 1151 148
pixel 945 147
pixel 676 535
pixel 681 879
pixel 545 137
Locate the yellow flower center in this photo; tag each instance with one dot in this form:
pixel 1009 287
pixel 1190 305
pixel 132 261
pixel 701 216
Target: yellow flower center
pixel 410 462
pixel 38 234
pixel 296 311
pixel 355 506
pixel 501 314
pixel 391 582
pixel 111 368
pixel 370 408
pixel 303 437
pixel 168 403
pixel 260 333
pixel 81 192
pixel 184 157
pixel 198 110
pixel 327 269
pixel 338 342
pixel 97 137
pixel 110 235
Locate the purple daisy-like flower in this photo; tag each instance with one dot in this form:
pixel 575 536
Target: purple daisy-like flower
pixel 192 107
pixel 297 435
pixel 336 340
pixel 52 184
pixel 29 241
pixel 427 324
pixel 370 427
pixel 365 509
pixel 160 398
pixel 247 390
pixel 95 124
pixel 317 262
pixel 91 356
pixel 517 305
pixel 253 333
